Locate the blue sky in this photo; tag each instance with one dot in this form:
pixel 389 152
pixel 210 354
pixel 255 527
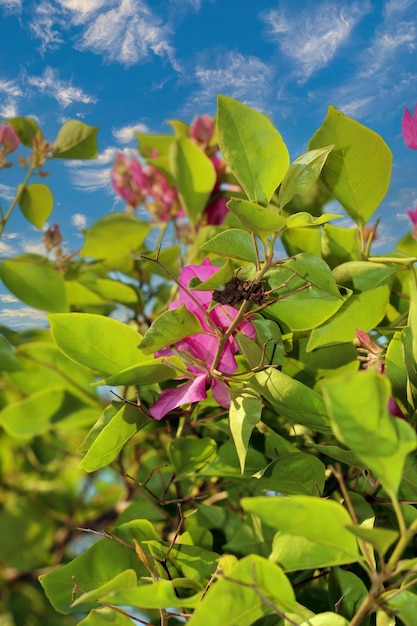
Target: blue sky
pixel 127 65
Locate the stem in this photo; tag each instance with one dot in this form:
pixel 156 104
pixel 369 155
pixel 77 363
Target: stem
pixel 16 199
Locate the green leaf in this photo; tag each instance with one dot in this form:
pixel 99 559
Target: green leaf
pixel 347 592
pixel 98 342
pixel 97 565
pixel 34 281
pixel 302 174
pixel 124 580
pixel 232 243
pixel 41 407
pixel 222 276
pixel 76 140
pixel 403 603
pixel 152 371
pixel 364 311
pixel 365 275
pixel 114 236
pixel 194 175
pixel 357 149
pixel 168 328
pixel 252 148
pixel 36 202
pixel 303 220
pixel 8 359
pixel 239 597
pixel 380 538
pixel 244 413
pixel 294 552
pixel 303 516
pixel 111 439
pixel 26 128
pixel 105 617
pixel 161 594
pixel 188 455
pixel 149 144
pixel 262 221
pixel 316 271
pixel 294 401
pixel 381 441
pixel 296 473
pixel 339 244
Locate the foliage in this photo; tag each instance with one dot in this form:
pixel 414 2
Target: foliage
pixel 218 425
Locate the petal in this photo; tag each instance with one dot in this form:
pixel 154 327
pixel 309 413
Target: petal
pixel 193 391
pixel 221 394
pixel 409 129
pixel 202 272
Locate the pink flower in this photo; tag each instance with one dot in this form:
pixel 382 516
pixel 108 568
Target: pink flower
pixel 9 139
pixel 198 350
pixel 128 179
pixel 413 217
pixel 201 129
pixel 162 200
pixel 409 128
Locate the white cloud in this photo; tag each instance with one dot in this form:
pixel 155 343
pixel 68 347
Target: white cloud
pixel 79 220
pixel 43 27
pixel 7 192
pixel 8 298
pixel 127 33
pixel 393 7
pixel 63 91
pixel 22 317
pixel 311 37
pixel 126 134
pixel 245 78
pixel 12 6
pixel 384 76
pixel 8 102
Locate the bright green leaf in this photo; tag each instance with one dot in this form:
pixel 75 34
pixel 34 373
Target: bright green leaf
pixel 303 516
pixel 296 402
pixel 123 580
pixel 36 202
pixel 252 148
pixel 168 328
pixel 357 149
pixel 244 413
pixel 295 552
pixel 114 236
pixel 380 538
pixel 111 439
pixel 262 221
pixel 381 441
pixel 360 311
pixel 234 600
pixel 26 128
pixel 403 604
pixel 34 281
pixel 232 243
pixel 76 140
pixel 302 174
pixel 32 415
pixel 296 473
pixel 194 174
pixel 98 342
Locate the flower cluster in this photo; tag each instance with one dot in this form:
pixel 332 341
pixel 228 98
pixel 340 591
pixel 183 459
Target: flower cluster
pixel 198 351
pixel 9 142
pixel 146 185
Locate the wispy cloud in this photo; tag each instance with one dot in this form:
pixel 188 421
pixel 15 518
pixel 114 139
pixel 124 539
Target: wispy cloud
pixel 384 72
pixel 93 175
pixel 12 6
pixel 311 37
pixel 245 78
pixel 129 33
pixel 64 92
pixel 79 220
pixel 393 7
pixel 126 134
pixel 10 91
